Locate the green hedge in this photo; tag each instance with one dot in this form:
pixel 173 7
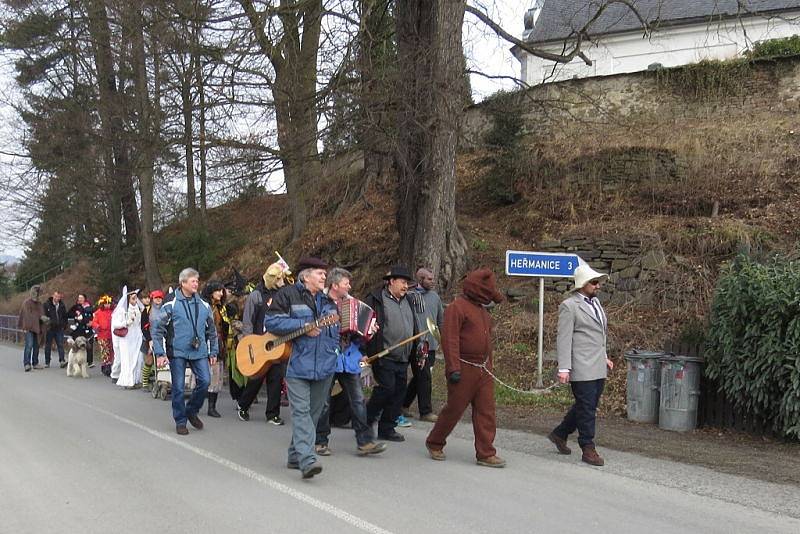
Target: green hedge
pixel 786 46
pixel 753 343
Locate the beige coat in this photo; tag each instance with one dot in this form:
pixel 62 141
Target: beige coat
pixel 582 339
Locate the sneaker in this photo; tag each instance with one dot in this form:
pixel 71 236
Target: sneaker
pixel 39 366
pixel 311 470
pixel 277 421
pixel 436 454
pixel 429 417
pixel 492 461
pixel 62 364
pixel 27 368
pixel 322 450
pixel 91 365
pixel 402 422
pixel 243 415
pixel 373 447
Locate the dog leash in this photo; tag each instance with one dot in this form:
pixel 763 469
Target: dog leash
pixel 512 388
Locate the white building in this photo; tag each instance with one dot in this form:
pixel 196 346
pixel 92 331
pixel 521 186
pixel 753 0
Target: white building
pixel 682 32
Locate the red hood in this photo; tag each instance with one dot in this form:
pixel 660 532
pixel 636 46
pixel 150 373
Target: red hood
pixel 480 286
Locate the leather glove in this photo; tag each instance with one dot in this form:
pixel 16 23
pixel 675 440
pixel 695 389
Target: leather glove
pixel 455 377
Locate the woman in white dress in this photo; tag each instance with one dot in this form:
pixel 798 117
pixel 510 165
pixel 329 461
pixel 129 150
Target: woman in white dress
pixel 127 340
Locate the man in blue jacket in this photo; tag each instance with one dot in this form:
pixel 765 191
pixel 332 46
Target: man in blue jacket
pixel 313 360
pixel 188 322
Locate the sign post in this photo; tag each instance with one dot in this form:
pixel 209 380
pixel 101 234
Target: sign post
pixel 540 265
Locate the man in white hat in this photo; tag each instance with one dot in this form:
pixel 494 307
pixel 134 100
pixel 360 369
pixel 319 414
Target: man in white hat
pixel 582 361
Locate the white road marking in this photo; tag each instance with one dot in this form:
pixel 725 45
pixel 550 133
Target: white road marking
pixel 347 517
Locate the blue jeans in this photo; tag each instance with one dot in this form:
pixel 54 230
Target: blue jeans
pixel 581 416
pixel 202 377
pixel 58 336
pixel 30 355
pixel 351 385
pixel 307 399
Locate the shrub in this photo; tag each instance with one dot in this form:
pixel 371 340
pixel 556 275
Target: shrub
pixel 786 46
pixel 503 142
pixel 753 342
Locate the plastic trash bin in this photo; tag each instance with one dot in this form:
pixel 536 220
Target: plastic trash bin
pixel 644 380
pixel 680 392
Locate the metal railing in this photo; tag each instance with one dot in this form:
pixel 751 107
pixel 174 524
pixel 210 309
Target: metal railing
pixel 9 330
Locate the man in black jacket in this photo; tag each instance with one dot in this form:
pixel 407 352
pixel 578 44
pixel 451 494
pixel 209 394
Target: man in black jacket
pixel 396 322
pixel 55 310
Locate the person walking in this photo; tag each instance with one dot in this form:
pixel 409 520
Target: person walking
pixel 101 324
pixel 466 339
pixel 188 322
pixel 80 316
pixel 30 321
pixel 348 374
pixel 396 322
pixel 126 332
pixel 422 361
pixel 57 313
pixel 214 294
pixel 313 361
pixel 582 361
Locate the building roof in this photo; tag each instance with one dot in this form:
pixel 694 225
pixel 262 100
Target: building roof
pixel 561 19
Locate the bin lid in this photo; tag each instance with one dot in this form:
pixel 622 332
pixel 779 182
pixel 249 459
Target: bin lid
pixel 639 354
pixel 680 358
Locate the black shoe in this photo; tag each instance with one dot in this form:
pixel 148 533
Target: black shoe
pixel 212 405
pixel 394 436
pixel 62 364
pixel 195 421
pixel 277 421
pixel 243 415
pixel 311 470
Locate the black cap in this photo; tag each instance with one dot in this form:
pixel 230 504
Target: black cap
pixel 399 271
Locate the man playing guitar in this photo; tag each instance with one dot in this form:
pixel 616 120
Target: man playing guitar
pixel 312 363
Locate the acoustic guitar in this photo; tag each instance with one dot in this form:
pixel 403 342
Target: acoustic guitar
pixel 256 353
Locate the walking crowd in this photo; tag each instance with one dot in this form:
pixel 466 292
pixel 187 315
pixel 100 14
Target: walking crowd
pixel 151 339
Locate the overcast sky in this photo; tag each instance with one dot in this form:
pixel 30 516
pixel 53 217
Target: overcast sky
pixel 485 52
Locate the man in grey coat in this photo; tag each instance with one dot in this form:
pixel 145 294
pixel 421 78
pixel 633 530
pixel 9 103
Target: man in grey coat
pixel 582 361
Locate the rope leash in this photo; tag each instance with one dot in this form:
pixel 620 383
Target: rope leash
pixel 496 379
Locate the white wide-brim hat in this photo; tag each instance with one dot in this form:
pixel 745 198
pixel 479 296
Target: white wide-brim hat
pixel 585 274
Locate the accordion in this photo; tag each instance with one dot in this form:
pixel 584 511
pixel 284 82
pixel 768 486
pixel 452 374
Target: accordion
pixel 356 317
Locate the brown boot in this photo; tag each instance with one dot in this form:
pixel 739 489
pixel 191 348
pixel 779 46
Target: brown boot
pixel 560 443
pixel 195 421
pixel 591 457
pixel 492 461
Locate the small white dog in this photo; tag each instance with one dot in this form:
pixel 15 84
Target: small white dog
pixel 76 361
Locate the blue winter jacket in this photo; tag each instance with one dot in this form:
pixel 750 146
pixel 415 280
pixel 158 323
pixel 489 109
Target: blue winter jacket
pixel 312 358
pixel 174 323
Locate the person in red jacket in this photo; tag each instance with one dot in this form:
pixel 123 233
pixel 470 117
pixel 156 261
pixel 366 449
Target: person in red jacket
pixel 467 345
pixel 101 323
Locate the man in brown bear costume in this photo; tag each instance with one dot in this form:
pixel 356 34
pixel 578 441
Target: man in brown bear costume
pixel 467 350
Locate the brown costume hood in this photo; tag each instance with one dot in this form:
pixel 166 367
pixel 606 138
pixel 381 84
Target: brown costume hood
pixel 479 285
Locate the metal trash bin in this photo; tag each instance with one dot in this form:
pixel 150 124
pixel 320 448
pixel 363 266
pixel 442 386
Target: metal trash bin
pixel 644 380
pixel 680 392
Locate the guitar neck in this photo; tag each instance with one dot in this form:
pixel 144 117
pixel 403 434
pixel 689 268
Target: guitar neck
pixel 299 332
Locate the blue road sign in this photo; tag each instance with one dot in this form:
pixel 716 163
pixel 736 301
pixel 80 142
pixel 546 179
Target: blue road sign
pixel 540 264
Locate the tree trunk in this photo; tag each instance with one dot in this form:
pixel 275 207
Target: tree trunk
pixel 147 135
pixel 188 137
pixel 201 148
pixel 111 111
pixel 294 58
pixel 431 105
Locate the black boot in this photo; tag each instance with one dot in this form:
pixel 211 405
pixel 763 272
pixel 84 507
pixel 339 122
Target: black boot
pixel 212 405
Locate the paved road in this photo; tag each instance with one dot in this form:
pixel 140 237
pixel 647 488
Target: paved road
pixel 84 456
